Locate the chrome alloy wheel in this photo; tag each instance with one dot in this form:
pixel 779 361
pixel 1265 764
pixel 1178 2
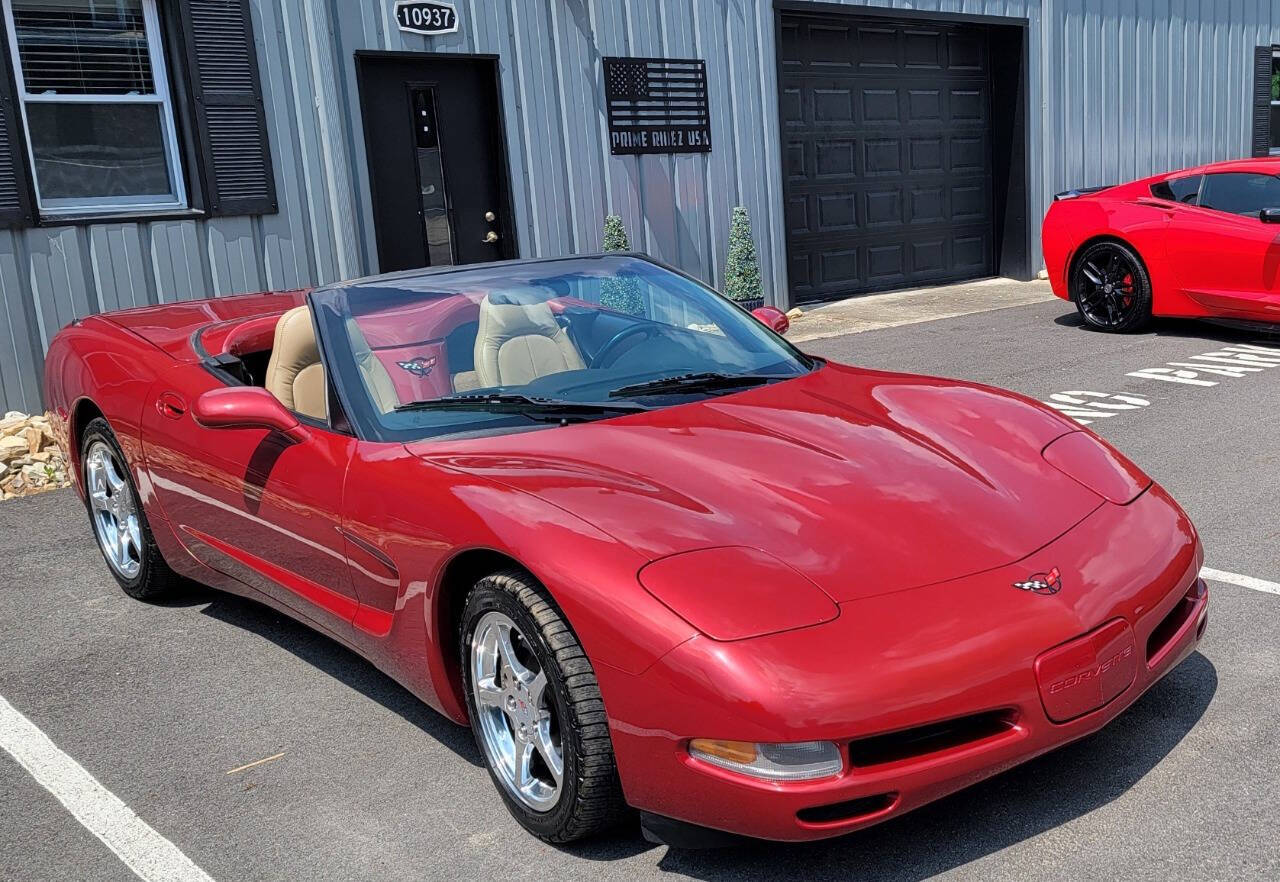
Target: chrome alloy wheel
pixel 113 509
pixel 518 724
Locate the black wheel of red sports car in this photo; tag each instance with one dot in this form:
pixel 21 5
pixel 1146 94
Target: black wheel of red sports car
pixel 118 521
pixel 536 711
pixel 1111 287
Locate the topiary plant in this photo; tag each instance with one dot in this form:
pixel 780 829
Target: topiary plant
pixel 622 295
pixel 615 234
pixel 742 268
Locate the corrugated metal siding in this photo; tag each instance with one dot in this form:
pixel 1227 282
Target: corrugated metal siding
pixel 1120 88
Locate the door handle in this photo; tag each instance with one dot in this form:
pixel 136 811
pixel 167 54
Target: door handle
pixel 489 238
pixel 170 404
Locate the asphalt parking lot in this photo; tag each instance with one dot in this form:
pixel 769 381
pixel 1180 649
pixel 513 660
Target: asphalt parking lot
pixel 165 705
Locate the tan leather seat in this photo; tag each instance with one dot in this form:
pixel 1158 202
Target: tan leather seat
pixel 294 373
pixel 519 342
pixel 382 389
pixel 465 381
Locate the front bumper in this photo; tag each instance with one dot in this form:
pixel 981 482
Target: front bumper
pixel 899 664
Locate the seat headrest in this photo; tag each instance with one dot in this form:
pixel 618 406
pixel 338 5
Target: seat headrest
pixel 504 320
pixel 522 295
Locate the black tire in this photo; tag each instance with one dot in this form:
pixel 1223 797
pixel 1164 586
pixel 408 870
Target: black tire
pixel 1111 288
pixel 154 581
pixel 590 799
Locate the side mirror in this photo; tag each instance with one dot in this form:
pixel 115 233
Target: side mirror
pixel 772 317
pixel 1269 215
pixel 246 407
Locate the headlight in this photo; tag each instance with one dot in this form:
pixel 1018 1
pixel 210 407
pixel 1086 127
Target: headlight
pixel 1090 461
pixel 796 761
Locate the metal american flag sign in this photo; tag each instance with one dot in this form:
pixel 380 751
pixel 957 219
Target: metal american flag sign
pixel 657 105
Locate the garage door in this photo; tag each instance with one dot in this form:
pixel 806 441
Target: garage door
pixel 886 132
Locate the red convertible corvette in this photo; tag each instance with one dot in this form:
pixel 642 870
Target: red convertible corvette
pixel 1202 243
pixel 650 552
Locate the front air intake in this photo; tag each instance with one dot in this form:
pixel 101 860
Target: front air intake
pixel 927 740
pixel 849 810
pixel 1170 627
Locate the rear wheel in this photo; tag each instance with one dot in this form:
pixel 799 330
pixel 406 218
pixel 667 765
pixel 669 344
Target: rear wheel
pixel 118 521
pixel 1111 288
pixel 536 711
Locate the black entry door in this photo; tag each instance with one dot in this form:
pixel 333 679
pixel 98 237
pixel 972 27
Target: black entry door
pixel 886 130
pixel 437 167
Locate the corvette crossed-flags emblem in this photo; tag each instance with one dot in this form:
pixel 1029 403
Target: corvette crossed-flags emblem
pixel 1042 583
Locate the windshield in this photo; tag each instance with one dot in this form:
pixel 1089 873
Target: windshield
pixel 536 343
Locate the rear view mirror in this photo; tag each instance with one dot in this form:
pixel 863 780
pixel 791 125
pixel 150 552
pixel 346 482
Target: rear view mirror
pixel 772 317
pixel 1269 215
pixel 246 407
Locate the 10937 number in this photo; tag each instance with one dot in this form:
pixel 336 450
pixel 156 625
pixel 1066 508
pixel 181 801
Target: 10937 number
pixel 426 17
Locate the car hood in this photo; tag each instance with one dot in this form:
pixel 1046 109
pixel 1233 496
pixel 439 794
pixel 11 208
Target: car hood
pixel 864 481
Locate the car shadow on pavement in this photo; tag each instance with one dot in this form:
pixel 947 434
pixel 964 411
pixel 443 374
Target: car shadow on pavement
pixel 995 814
pixel 345 666
pixel 987 817
pixel 1186 328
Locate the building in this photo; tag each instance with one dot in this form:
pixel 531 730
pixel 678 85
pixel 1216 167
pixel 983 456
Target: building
pixel 157 150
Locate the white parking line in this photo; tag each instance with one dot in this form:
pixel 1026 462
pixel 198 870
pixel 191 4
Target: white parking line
pixel 146 852
pixel 1242 581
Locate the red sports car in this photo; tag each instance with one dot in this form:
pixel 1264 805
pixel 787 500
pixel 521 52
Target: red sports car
pixel 653 554
pixel 1202 243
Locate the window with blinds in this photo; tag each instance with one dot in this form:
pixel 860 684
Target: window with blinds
pixel 84 48
pixel 94 96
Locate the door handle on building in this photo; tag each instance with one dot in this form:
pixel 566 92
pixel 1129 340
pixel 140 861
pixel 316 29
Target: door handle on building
pixel 490 237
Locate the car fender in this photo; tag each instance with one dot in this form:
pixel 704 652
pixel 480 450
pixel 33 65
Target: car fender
pixel 1142 224
pixel 94 360
pixel 398 511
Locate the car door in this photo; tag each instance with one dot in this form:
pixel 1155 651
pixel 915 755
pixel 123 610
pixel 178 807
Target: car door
pixel 1225 257
pixel 251 503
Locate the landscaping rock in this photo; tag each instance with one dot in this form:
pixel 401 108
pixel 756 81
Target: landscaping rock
pixel 30 461
pixel 12 446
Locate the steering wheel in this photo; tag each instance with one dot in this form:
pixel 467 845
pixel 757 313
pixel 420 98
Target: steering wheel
pixel 602 359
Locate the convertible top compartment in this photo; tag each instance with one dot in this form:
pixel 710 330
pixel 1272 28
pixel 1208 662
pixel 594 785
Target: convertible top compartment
pixel 170 326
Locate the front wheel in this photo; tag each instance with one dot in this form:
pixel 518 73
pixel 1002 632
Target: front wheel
pixel 1111 288
pixel 118 521
pixel 536 711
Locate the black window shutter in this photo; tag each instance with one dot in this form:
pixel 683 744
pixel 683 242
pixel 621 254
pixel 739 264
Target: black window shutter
pixel 15 194
pixel 226 93
pixel 1262 65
